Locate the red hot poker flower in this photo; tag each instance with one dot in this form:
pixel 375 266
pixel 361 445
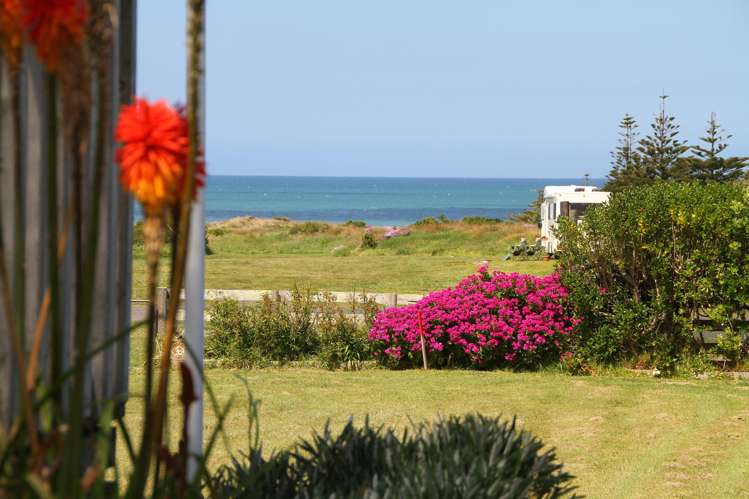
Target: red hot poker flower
pixel 11 34
pixel 53 26
pixel 153 155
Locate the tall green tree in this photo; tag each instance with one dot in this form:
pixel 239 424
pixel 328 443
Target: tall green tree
pixel 626 163
pixel 661 150
pixel 707 163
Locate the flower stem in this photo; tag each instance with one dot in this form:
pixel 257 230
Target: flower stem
pixel 52 247
pixel 19 236
pixel 195 30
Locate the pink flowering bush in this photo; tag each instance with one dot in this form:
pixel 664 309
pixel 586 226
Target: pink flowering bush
pixel 487 320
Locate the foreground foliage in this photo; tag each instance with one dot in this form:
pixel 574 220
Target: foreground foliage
pixel 469 457
pixel 641 268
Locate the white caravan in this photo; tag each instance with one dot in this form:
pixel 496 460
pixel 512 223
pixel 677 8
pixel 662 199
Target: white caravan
pixel 569 201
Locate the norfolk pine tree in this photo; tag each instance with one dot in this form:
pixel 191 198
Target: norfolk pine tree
pixel 660 151
pixel 707 164
pixel 626 164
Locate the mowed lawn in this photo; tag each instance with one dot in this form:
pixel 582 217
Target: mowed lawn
pixel 621 436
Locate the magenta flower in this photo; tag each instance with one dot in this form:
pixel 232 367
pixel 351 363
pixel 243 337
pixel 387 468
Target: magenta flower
pixel 488 319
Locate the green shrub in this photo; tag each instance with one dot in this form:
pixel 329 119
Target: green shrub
pixel 368 240
pixel 469 457
pixel 277 330
pixel 355 223
pixel 731 346
pixel 640 267
pixel 343 339
pixel 229 331
pixel 426 221
pixel 282 329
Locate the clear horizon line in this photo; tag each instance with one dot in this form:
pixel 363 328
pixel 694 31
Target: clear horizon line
pixel 401 177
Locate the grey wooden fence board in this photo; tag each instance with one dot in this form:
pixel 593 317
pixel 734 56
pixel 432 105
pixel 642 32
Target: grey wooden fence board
pixel 35 202
pixel 107 374
pixel 6 219
pixel 125 48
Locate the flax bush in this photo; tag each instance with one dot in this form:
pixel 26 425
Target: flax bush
pixel 469 457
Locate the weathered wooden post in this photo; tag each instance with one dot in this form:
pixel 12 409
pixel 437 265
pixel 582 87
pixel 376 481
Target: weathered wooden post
pixel 391 299
pixel 162 302
pixel 195 285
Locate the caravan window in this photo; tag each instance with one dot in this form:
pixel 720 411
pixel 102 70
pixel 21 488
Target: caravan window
pixel 577 210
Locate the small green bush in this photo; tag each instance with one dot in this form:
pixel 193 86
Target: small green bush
pixel 731 346
pixel 355 223
pixel 344 340
pixel 469 457
pixel 284 329
pixel 368 240
pixel 427 221
pixel 229 331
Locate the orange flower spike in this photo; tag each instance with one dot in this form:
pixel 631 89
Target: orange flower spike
pixel 53 25
pixel 11 33
pixel 153 155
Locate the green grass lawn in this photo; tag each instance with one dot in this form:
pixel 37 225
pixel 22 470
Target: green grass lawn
pixel 278 255
pixel 621 436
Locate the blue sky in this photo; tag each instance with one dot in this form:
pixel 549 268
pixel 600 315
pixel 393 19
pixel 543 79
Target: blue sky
pixel 474 88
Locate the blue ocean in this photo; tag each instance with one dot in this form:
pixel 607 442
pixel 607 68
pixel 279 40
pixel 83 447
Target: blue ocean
pixel 377 201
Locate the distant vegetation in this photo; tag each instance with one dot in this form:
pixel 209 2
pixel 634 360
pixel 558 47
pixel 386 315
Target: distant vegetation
pixel 663 155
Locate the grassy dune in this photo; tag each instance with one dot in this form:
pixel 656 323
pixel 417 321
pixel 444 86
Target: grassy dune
pixel 277 254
